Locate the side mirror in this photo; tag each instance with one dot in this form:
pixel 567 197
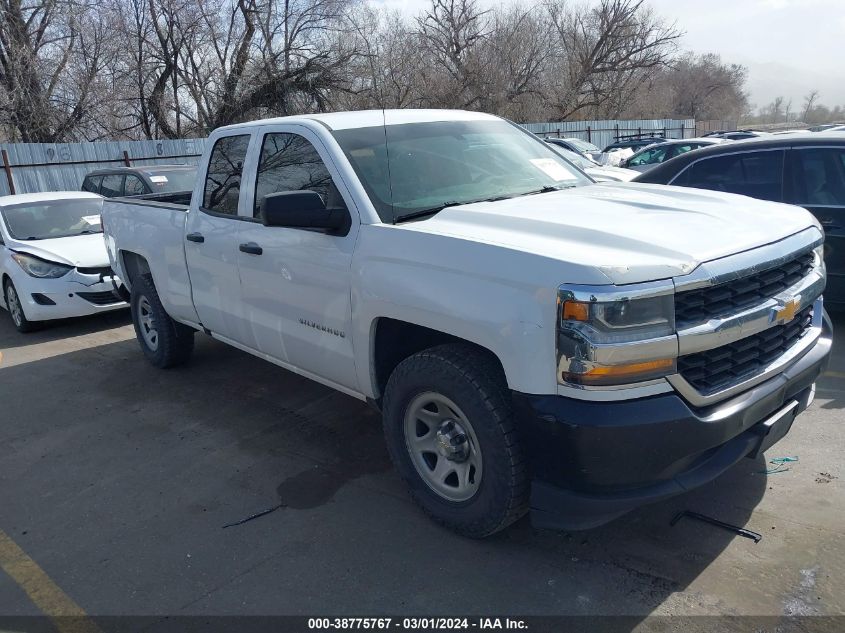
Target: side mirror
pixel 303 210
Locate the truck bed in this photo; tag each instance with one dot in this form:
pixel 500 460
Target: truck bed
pixel 151 232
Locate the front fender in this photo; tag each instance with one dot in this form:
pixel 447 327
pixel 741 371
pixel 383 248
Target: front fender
pixel 500 299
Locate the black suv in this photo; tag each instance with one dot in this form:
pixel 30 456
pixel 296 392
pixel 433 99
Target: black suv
pixel 139 181
pixel 803 169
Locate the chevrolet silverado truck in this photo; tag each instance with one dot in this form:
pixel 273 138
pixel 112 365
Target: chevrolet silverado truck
pixel 534 340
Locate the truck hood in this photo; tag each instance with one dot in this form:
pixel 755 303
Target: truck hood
pixel 631 232
pixel 86 251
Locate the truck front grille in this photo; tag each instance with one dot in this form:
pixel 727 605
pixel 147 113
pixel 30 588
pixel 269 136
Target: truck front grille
pixel 99 298
pixel 716 369
pixel 701 304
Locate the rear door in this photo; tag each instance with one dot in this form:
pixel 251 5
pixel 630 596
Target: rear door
pixel 296 282
pixel 211 241
pixel 817 182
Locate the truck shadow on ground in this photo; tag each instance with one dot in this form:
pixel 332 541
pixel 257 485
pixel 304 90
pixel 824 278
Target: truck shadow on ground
pixel 231 434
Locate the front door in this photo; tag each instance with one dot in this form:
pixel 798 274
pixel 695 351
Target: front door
pixel 211 242
pixel 295 283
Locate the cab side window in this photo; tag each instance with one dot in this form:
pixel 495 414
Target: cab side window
pixel 290 163
pixel 818 176
pixel 112 186
pixel 92 184
pixel 223 180
pixel 755 174
pixel 133 186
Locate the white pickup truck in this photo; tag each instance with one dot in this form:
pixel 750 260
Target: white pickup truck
pixel 533 340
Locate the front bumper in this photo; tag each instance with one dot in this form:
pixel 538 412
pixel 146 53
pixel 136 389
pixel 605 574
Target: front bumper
pixel 594 461
pixel 45 299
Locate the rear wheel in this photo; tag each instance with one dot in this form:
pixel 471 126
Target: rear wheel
pixel 450 431
pixel 15 307
pixel 164 342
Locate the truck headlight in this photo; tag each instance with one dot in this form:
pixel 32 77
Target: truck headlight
pixel 619 336
pixel 35 267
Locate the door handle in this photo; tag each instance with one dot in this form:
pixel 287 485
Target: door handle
pixel 252 248
pixel 195 237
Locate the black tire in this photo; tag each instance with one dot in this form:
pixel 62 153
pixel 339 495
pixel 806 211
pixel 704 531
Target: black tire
pixel 474 381
pixel 173 342
pixel 19 320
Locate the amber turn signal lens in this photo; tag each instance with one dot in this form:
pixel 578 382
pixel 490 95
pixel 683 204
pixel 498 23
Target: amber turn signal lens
pixel 633 368
pixel 621 374
pixel 575 311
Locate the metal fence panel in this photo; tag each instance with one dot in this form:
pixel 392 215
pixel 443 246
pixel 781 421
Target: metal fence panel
pixel 603 133
pixel 62 166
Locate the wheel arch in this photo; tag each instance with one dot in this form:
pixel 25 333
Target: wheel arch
pixel 394 340
pixel 133 266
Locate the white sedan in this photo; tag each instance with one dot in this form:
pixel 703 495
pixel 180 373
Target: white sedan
pixel 53 259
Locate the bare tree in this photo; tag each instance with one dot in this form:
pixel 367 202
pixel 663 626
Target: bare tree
pixel 602 48
pixel 50 55
pixel 810 101
pixel 451 33
pixel 701 87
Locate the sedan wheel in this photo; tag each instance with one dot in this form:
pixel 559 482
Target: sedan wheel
pixel 14 304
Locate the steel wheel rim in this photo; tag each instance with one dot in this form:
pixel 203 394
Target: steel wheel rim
pixel 147 324
pixel 15 308
pixel 457 478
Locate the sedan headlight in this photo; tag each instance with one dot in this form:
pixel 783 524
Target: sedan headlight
pixel 616 337
pixel 36 267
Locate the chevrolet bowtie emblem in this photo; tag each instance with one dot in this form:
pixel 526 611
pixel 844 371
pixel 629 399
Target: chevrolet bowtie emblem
pixel 785 313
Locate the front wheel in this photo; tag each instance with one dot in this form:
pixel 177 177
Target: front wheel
pixel 164 342
pixel 450 431
pixel 15 308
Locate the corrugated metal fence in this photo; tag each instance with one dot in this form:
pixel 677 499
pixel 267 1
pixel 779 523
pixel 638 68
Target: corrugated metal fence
pixel 603 133
pixel 34 167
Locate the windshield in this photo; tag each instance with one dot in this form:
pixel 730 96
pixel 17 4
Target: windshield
pixel 582 146
pixel 172 180
pixel 412 168
pixel 47 220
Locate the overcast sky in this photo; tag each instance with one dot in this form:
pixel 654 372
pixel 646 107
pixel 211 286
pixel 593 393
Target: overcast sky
pixel 789 46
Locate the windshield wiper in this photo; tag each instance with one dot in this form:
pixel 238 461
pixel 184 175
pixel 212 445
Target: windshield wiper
pixel 546 189
pixel 424 212
pixel 432 210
